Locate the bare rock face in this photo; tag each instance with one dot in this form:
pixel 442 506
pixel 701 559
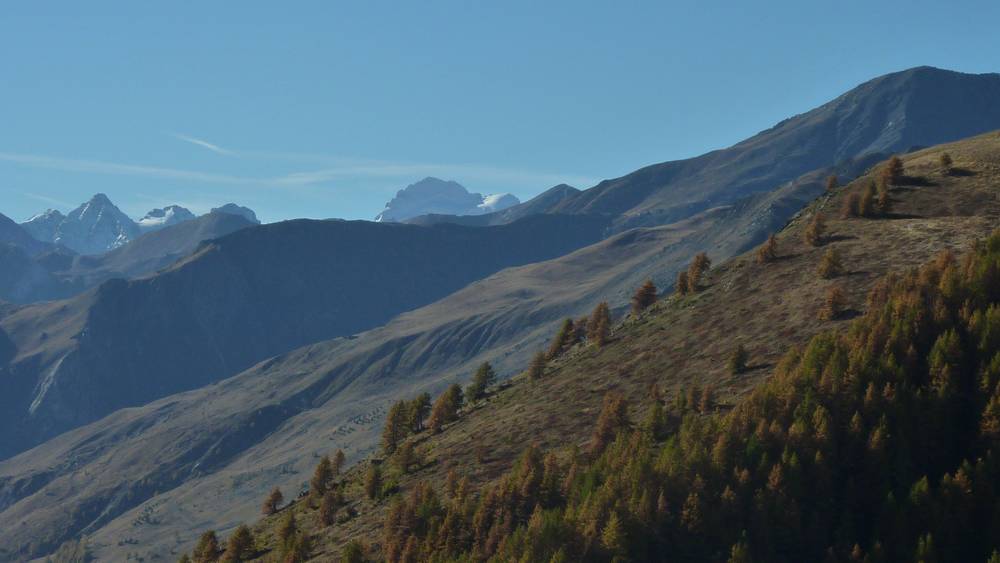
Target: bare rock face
pixel 95 227
pixel 435 196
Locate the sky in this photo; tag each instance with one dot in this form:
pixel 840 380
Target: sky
pixel 325 109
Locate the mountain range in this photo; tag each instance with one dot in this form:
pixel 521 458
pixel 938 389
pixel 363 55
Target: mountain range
pixel 383 311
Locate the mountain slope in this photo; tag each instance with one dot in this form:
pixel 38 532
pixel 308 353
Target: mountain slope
pixel 270 422
pixel 120 344
pixel 93 228
pixel 894 113
pixel 432 195
pixel 683 345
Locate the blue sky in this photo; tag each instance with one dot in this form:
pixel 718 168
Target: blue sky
pixel 325 109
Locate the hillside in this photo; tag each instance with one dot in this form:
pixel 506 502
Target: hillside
pixel 894 113
pixel 684 343
pixel 238 300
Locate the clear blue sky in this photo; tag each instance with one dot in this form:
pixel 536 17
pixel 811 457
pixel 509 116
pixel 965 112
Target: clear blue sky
pixel 325 109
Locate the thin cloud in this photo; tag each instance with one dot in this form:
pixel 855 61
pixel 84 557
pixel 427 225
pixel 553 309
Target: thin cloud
pixel 204 144
pixel 49 200
pixel 346 169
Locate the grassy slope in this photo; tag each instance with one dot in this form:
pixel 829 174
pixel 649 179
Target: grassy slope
pixel 686 341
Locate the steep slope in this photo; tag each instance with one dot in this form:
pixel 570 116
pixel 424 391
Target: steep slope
pixel 242 298
pixel 683 345
pixel 16 235
pixel 269 424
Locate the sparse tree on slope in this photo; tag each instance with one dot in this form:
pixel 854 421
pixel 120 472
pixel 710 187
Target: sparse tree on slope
pixel 337 465
pixel 321 477
pixel 599 326
pixel 644 297
pixel 738 360
pixel 240 546
pixel 417 411
pixel 272 502
pixel 207 550
pixel 699 266
pixel 946 163
pixel 481 381
pixel 537 368
pixel 565 338
pixel 395 429
pixel 768 251
pixel 813 234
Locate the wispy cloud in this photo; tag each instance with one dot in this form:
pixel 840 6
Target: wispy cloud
pixel 204 144
pixel 340 170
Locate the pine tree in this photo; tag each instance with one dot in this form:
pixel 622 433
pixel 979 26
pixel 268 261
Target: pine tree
pixel 699 265
pixel 832 183
pixel 396 423
pixel 321 477
pixel 481 381
pixel 599 326
pixel 418 410
pixel 373 482
pixel 207 549
pixel 813 234
pixel 564 339
pixel 946 163
pixel 768 251
pixel 328 508
pixel 272 502
pixel 644 297
pixel 682 287
pixel 241 545
pixel 537 368
pixel 738 360
pixel 830 265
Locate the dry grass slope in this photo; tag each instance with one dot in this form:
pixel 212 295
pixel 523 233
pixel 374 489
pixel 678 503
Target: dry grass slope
pixel 685 341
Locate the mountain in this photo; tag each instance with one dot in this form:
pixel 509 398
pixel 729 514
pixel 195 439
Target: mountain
pixel 233 209
pixel 164 217
pixel 894 113
pixel 268 425
pixel 93 228
pixel 855 437
pixel 432 195
pixel 237 300
pixel 14 234
pixel 544 202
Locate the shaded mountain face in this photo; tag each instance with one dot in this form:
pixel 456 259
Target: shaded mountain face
pixel 239 299
pixel 432 195
pixel 58 273
pixel 16 235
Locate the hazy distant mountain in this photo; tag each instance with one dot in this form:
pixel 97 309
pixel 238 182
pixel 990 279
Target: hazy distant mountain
pixel 95 227
pixel 432 195
pixel 233 209
pixel 164 217
pixel 14 234
pixel 544 202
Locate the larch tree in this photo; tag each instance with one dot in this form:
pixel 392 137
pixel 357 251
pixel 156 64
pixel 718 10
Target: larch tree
pixel 893 172
pixel 207 550
pixel 240 546
pixel 834 304
pixel 481 381
pixel 832 183
pixel 445 408
pixel 612 420
pixel 813 234
pixel 599 325
pixel 337 464
pixel 699 266
pixel 417 411
pixel 288 529
pixel 866 205
pixel 852 205
pixel 328 509
pixel 830 266
pixel 564 339
pixel 373 482
pixel 738 360
pixel 395 428
pixel 537 368
pixel 768 251
pixel 321 477
pixel 682 287
pixel 272 502
pixel 946 163
pixel 644 297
